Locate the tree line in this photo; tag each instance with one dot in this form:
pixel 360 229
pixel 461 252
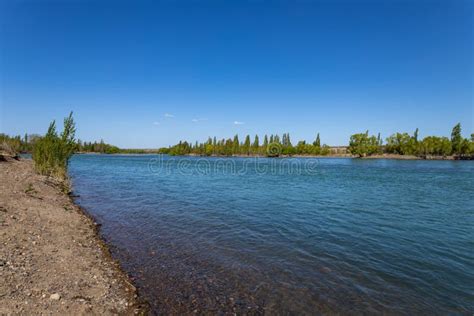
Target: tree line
pixel 18 144
pixel 363 144
pixel 26 144
pixel 360 144
pixel 96 147
pixel 270 146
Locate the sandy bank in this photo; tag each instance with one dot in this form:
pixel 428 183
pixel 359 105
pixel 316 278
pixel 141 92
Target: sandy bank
pixel 51 258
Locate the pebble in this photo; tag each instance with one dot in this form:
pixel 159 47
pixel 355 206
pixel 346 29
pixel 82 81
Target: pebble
pixel 55 297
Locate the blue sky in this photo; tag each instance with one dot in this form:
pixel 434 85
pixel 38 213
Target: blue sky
pixel 147 74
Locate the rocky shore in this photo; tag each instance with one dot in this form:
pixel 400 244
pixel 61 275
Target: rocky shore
pixel 52 260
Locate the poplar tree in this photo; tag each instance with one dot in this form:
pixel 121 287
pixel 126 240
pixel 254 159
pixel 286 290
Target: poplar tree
pixel 317 142
pixel 456 138
pixel 236 145
pixel 255 145
pixel 247 145
pixel 276 139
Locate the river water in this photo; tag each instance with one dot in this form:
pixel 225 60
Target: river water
pixel 287 236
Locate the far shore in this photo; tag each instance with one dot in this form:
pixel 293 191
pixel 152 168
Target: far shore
pixel 380 156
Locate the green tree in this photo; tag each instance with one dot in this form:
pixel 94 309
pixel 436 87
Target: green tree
pixel 401 143
pixel 247 145
pixel 256 145
pixel 456 139
pixel 265 142
pixel 362 144
pixel 435 146
pixel 236 145
pixel 317 142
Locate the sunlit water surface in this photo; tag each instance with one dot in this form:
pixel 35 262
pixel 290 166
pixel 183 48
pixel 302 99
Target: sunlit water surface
pixel 287 236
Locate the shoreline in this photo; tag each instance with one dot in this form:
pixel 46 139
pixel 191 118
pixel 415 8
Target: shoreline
pixel 339 156
pixel 53 259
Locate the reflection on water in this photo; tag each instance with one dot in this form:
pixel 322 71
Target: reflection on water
pixel 339 235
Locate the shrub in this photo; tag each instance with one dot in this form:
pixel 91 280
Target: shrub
pixel 52 152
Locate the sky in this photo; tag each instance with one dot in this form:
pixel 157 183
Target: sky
pixel 146 74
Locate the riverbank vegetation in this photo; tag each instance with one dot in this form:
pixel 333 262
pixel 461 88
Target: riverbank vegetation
pixel 13 145
pixel 270 146
pixel 52 152
pixel 363 145
pixel 96 147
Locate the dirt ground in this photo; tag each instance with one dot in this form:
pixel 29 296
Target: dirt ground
pixel 51 258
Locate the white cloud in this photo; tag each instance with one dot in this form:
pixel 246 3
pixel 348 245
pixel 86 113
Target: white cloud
pixel 195 120
pixel 156 123
pixel 169 115
pixel 238 123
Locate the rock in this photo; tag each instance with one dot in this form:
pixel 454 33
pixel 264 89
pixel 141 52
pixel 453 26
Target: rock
pixel 55 297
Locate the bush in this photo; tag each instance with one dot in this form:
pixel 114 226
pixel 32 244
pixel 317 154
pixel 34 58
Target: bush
pixel 52 152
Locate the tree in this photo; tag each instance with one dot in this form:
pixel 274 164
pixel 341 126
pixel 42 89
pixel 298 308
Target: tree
pixel 401 143
pixel 456 139
pixel 276 139
pixel 435 146
pixel 362 144
pixel 247 145
pixel 415 136
pixel 265 142
pixel 287 147
pixel 228 147
pixel 379 144
pixel 236 145
pixel 317 142
pixel 255 145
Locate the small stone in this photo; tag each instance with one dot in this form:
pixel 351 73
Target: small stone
pixel 55 297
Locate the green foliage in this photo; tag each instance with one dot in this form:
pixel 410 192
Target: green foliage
pixel 456 138
pixel 101 147
pixel 402 144
pixel 51 153
pixel 435 146
pixel 13 145
pixel 183 148
pixel 272 146
pixel 10 146
pixel 317 142
pixel 363 145
pixel 246 146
